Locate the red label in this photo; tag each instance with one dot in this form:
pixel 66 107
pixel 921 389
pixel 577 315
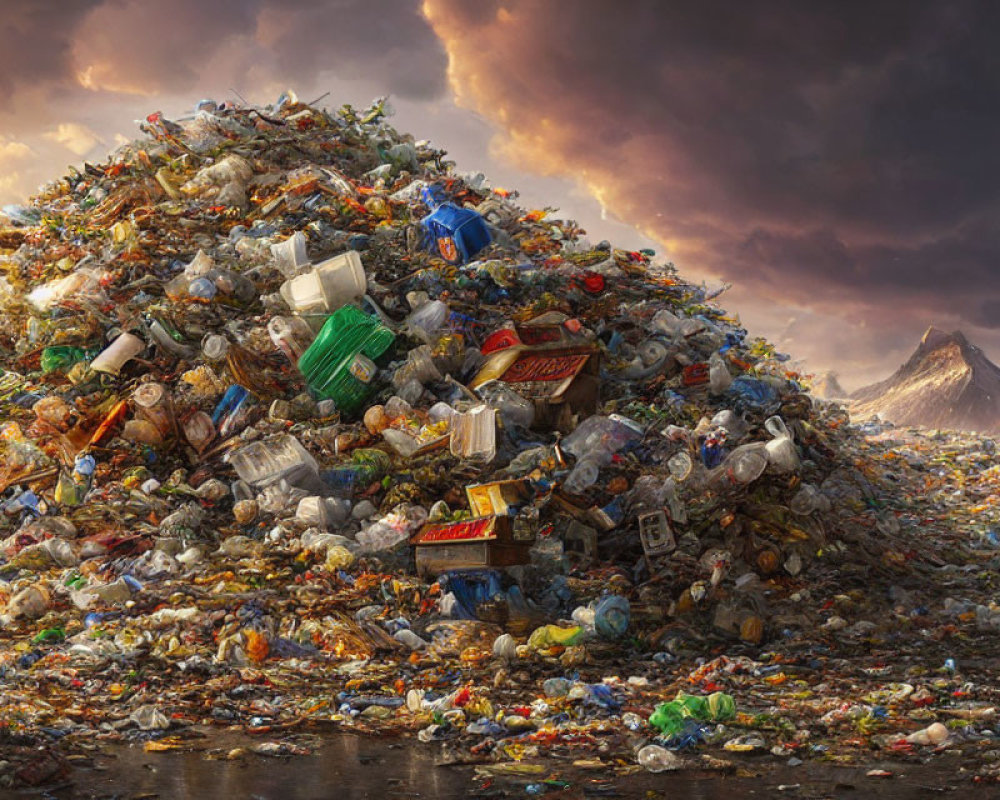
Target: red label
pixel 458 531
pixel 544 368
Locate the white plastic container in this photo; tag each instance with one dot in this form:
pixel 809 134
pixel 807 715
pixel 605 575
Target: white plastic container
pixel 327 286
pixel 266 462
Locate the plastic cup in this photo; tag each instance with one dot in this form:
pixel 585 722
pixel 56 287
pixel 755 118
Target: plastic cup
pixel 114 356
pixel 214 347
pixel 199 430
pixel 153 403
pixel 290 255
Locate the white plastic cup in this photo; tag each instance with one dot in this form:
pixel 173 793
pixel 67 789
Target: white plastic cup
pixel 114 356
pixel 290 256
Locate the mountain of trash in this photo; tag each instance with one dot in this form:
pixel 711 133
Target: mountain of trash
pixel 948 382
pixel 298 423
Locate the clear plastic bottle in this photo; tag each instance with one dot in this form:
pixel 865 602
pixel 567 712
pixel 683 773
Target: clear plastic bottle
pixel 583 476
pixel 514 409
pixel 719 378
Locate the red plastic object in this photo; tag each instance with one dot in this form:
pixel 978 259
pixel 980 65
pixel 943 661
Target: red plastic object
pixel 500 340
pixel 695 374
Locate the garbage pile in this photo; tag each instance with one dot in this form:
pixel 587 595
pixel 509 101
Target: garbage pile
pixel 300 424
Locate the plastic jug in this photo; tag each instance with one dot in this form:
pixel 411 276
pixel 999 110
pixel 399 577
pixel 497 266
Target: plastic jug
pixel 339 364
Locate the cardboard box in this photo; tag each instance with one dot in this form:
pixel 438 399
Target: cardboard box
pixel 562 382
pixel 469 544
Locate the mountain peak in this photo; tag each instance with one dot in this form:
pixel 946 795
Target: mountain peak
pixel 946 383
pixel 935 337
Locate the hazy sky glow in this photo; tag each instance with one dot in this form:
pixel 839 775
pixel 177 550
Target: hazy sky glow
pixel 836 161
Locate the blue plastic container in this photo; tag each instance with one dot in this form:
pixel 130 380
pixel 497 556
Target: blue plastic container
pixel 457 233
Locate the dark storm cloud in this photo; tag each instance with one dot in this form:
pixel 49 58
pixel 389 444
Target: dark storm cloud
pixel 35 42
pixel 51 48
pixel 841 156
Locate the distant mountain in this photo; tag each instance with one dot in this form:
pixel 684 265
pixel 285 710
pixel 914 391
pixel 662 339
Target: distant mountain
pixel 827 387
pixel 947 383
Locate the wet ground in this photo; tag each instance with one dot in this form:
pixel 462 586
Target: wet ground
pixel 350 767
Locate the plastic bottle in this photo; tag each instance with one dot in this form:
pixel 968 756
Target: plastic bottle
pixel 230 415
pixel 583 476
pixel 427 321
pixel 600 437
pixel 654 758
pixel 719 378
pixel 514 409
pixel 746 463
pixel 169 340
pixel 410 639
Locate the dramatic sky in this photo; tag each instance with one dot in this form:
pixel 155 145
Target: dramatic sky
pixel 836 161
